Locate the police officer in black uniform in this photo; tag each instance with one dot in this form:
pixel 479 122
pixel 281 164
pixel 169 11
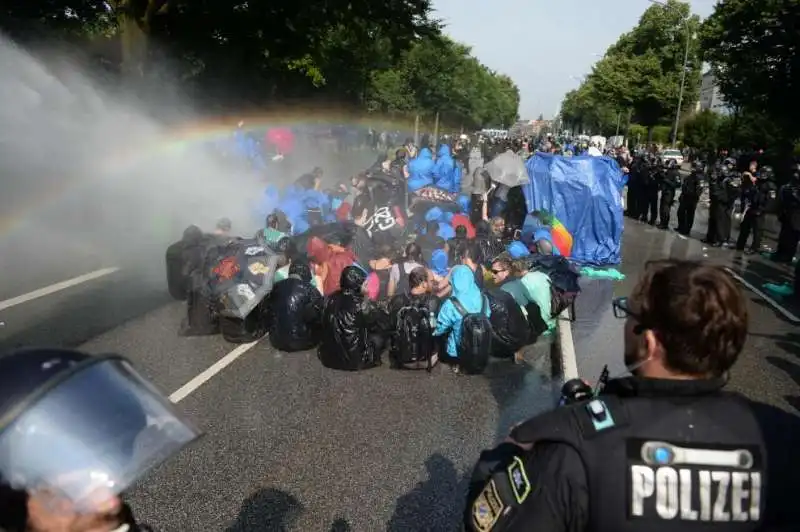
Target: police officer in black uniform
pixel 789 216
pixel 650 185
pixel 666 449
pixel 668 185
pixel 691 189
pixel 634 196
pixel 757 193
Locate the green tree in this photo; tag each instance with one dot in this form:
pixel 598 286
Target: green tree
pixel 702 131
pixel 642 71
pixel 753 52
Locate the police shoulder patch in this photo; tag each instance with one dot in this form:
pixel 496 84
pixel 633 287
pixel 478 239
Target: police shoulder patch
pixel 518 478
pixel 487 508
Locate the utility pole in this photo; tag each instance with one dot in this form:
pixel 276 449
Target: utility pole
pixel 436 131
pixel 619 117
pixel 416 130
pixel 683 85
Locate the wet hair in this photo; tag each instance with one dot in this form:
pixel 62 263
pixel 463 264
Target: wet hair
pixel 505 261
pixel 416 277
pixel 697 312
pixel 461 232
pixel 413 252
pixel 273 221
pixel 470 250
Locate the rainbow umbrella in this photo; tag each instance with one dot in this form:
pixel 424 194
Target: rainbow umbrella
pixel 562 238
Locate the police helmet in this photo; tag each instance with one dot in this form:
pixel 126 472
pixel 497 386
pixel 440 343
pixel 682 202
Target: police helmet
pixel 766 172
pixel 81 425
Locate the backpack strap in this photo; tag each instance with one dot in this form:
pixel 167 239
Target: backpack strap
pixel 459 307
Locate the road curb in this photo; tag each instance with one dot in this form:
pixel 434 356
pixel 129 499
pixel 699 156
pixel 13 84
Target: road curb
pixel 562 350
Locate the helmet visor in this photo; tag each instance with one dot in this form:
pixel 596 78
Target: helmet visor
pixel 91 435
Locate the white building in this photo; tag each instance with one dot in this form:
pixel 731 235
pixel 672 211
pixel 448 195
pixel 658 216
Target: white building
pixel 710 97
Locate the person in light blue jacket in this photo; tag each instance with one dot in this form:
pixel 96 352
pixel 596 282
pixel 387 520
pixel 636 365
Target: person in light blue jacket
pixel 444 172
pixel 420 170
pixel 462 279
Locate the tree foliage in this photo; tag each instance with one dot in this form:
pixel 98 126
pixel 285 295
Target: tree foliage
pixel 752 47
pixel 387 56
pixel 642 72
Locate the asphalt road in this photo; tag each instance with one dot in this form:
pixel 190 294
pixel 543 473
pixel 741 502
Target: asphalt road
pixel 289 445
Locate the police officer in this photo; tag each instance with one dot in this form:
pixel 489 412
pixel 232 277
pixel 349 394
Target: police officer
pixel 691 189
pixel 634 188
pixel 789 216
pixel 650 185
pixel 67 465
pixel 723 190
pixel 666 449
pixel 668 185
pixel 758 192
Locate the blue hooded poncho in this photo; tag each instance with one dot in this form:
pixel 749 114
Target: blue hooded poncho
pixel 462 279
pixel 420 170
pixel 444 171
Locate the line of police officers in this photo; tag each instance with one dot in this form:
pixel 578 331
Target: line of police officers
pixel 754 189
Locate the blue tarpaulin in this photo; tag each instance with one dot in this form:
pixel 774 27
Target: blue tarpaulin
pixel 584 193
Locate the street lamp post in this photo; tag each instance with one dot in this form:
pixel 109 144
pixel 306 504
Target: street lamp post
pixel 683 74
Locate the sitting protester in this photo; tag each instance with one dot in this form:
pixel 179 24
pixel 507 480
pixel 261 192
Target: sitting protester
pixel 440 279
pixel 398 274
pixel 509 325
pixel 429 241
pixel 457 244
pixel 490 245
pixel 412 322
pixel 272 235
pixel 351 337
pixel 183 257
pixel 294 309
pixel 464 316
pixel 507 274
pixel 470 254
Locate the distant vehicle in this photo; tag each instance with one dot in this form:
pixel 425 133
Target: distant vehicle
pixel 670 155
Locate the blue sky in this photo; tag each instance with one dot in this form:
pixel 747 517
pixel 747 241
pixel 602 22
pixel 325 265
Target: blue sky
pixel 542 45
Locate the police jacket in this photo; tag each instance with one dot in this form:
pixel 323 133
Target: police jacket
pixel 671 181
pixel 347 319
pixel 692 186
pixel 789 204
pixel 646 455
pixel 758 196
pixel 295 307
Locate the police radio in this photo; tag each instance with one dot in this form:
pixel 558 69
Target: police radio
pixel 577 390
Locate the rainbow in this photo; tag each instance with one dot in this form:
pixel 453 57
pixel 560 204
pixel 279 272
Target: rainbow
pixel 177 139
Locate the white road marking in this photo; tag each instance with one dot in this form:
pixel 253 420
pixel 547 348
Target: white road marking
pixel 569 364
pixel 57 287
pixel 774 304
pixel 181 393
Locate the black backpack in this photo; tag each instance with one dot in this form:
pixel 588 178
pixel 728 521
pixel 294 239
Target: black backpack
pixel 475 344
pixel 412 344
pixel 564 286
